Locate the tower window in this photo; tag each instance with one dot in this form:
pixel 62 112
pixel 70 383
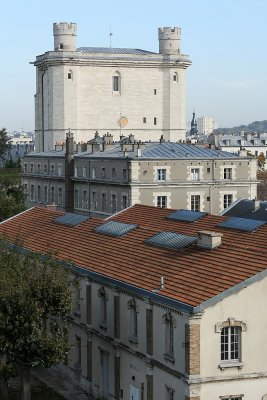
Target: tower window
pixel 144 120
pixel 155 91
pixel 155 121
pixel 69 75
pixel 61 46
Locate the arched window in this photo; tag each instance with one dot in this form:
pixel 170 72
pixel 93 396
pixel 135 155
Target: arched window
pixel 93 173
pixel 116 82
pixel 175 77
pixel 69 74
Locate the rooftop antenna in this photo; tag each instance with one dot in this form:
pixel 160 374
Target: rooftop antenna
pixel 110 35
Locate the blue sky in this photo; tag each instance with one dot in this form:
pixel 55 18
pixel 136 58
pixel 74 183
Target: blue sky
pixel 225 39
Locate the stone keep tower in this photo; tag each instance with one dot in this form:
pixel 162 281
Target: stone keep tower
pixel 65 35
pixel 169 40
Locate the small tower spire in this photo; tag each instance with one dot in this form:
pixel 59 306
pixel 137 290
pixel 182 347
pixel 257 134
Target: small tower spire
pixel 193 130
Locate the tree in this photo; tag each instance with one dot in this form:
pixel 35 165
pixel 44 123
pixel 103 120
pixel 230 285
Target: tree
pixel 36 297
pixel 4 142
pixel 261 161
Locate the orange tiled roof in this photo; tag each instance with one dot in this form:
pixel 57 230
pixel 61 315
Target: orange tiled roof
pixel 192 276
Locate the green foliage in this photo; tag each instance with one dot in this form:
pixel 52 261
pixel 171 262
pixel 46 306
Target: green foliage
pixel 4 144
pixel 261 161
pixel 256 126
pixel 12 196
pixel 36 297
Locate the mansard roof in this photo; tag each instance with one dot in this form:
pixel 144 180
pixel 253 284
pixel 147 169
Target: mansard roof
pixel 122 254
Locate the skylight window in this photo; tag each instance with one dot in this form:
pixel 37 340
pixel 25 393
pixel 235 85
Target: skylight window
pixel 186 215
pixel 71 219
pixel 171 240
pixel 114 228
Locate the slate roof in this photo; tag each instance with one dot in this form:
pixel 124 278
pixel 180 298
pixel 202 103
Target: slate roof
pixel 108 50
pixel 193 276
pixel 245 208
pixel 166 150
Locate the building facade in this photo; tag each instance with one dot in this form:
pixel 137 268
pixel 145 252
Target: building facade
pixel 109 89
pixel 205 125
pixel 158 314
pixel 163 174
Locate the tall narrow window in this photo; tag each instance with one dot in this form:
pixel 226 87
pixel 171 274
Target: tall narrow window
pixel 93 173
pixel 227 200
pixel 104 202
pixel 113 173
pixel 59 169
pixel 32 168
pixel 124 174
pixel 45 194
pixel 102 294
pixel 227 173
pixel 116 83
pixel 113 203
pixel 169 322
pixel 69 75
pixel 94 202
pixel 155 91
pixel 230 343
pixel 144 120
pixel 169 393
pixel 52 195
pixel 84 172
pixel 195 174
pixel 195 202
pixel 32 193
pixel 78 352
pixel 132 305
pixel 38 193
pixel 85 200
pixel 155 121
pixel 76 198
pixel 103 172
pixel 60 196
pixel 124 201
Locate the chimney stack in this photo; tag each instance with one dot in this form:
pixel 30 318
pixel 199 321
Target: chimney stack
pixel 209 240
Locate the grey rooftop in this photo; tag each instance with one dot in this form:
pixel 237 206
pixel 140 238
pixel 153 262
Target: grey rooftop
pixel 108 50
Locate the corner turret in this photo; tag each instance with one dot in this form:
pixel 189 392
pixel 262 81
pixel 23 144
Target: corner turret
pixel 169 40
pixel 65 35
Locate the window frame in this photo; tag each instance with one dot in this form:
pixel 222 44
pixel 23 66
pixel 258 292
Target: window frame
pixel 227 173
pixel 162 201
pixel 162 174
pixel 195 202
pixel 227 200
pixel 219 328
pixel 170 324
pixel 195 174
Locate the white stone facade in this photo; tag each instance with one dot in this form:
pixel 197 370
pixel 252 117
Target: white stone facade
pixel 75 89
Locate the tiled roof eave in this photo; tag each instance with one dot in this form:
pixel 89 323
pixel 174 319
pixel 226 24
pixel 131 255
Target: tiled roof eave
pixel 226 293
pixel 154 296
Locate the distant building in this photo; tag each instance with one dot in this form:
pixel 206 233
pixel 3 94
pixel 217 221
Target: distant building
pixel 109 177
pixel 254 144
pixel 205 125
pixel 115 89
